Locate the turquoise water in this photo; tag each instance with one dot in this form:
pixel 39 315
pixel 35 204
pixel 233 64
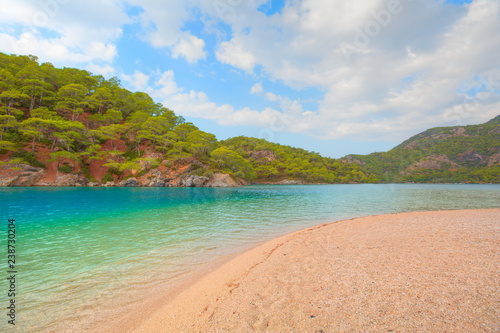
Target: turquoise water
pixel 79 250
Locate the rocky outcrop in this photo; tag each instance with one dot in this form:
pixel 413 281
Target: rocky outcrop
pixel 131 182
pixel 495 159
pixel 195 181
pixel 460 131
pixel 434 162
pixel 65 180
pixel 191 181
pixel 174 175
pixel 221 180
pixel 264 155
pixel 352 160
pixel 291 182
pixel 154 178
pixel 22 175
pixel 496 130
pixel 471 156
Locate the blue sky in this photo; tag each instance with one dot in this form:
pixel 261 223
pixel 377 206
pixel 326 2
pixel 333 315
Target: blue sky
pixel 334 77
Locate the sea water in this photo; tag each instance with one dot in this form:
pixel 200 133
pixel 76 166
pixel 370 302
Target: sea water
pixel 78 250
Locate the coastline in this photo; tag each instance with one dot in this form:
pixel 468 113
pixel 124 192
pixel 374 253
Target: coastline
pixel 377 272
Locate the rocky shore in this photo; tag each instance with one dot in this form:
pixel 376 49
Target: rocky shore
pixel 26 175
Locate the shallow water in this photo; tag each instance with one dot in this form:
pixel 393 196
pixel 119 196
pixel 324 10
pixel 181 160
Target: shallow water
pixel 79 249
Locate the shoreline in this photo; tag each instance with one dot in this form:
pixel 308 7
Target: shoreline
pixel 203 301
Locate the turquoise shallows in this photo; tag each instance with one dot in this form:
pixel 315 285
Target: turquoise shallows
pixel 78 250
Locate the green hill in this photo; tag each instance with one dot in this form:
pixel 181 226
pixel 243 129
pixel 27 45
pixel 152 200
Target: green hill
pixel 71 122
pixel 460 154
pixel 274 162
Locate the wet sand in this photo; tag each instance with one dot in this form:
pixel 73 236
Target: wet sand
pixel 409 272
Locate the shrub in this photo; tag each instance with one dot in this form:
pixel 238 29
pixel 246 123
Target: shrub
pixel 66 168
pixel 29 157
pixel 108 177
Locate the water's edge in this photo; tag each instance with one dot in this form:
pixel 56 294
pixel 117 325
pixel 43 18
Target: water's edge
pixel 96 256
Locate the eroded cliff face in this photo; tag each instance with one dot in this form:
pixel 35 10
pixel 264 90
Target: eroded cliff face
pixel 27 175
pixel 178 174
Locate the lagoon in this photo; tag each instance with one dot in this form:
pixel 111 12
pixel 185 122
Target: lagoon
pixel 82 251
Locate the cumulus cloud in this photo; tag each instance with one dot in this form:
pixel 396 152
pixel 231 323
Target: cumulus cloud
pixel 257 88
pixel 137 81
pixel 63 32
pixel 163 23
pixel 163 87
pixel 233 53
pixel 189 47
pixel 386 69
pixel 408 62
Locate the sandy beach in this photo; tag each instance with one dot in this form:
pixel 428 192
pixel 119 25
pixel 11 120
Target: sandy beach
pixel 409 272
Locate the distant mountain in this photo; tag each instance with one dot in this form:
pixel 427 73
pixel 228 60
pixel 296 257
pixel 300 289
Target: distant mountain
pixel 460 154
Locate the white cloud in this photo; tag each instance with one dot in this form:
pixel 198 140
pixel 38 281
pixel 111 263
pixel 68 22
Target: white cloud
pixel 256 88
pixel 190 47
pixel 405 79
pixel 163 87
pixel 54 50
pixel 167 84
pixel 234 54
pixel 163 22
pixel 413 71
pixel 105 70
pixel 137 81
pixel 63 32
pixel 272 97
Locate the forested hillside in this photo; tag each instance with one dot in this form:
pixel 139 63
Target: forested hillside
pixel 461 154
pixel 70 127
pixel 272 162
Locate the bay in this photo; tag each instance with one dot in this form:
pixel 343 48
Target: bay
pixel 78 250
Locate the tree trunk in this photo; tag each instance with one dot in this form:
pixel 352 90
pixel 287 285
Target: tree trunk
pixel 41 98
pixel 33 144
pixel 53 145
pixel 32 100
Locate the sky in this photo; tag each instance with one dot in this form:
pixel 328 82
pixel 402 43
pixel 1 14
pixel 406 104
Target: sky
pixel 331 76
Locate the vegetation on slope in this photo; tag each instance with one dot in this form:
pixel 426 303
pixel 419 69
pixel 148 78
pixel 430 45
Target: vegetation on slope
pixel 273 162
pixel 461 154
pixel 71 117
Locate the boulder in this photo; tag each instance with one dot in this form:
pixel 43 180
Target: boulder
pixel 193 181
pixel 131 182
pixel 65 180
pixel 92 184
pixel 153 178
pixel 291 182
pixel 221 180
pixel 83 181
pixel 109 184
